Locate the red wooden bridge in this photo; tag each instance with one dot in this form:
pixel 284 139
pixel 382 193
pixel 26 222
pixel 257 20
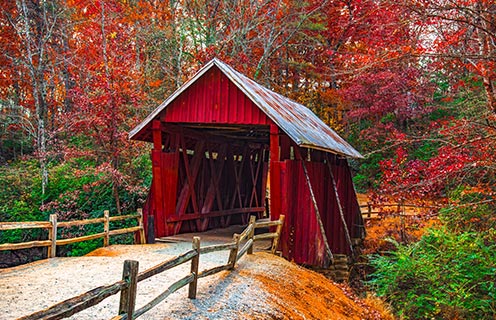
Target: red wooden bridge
pixel 215 142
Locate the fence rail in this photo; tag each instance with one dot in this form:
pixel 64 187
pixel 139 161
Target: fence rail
pixel 373 211
pixel 52 226
pixel 130 278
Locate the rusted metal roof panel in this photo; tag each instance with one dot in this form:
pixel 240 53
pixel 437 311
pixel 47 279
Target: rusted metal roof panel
pixel 297 121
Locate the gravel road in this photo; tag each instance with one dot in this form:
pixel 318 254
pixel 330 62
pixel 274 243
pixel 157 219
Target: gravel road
pixel 263 286
pixel 32 287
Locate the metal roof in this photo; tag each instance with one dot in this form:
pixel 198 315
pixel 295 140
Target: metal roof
pixel 296 120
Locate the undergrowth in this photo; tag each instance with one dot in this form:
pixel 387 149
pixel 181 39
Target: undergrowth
pixel 448 274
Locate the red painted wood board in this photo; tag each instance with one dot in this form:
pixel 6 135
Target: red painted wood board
pixel 213 98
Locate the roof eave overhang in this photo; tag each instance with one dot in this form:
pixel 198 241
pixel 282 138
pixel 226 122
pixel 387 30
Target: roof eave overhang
pixel 356 155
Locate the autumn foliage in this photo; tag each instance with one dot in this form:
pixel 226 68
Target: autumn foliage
pixel 411 84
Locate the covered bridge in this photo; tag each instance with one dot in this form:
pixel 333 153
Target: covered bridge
pixel 215 142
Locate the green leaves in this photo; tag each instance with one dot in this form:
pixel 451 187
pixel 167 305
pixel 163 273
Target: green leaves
pixel 445 275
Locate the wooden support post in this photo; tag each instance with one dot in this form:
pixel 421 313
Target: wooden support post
pixel 369 210
pixel 194 268
pixel 52 236
pixel 275 174
pixel 252 232
pixel 274 143
pixel 150 230
pixel 275 241
pixel 234 252
pixel 128 295
pixel 106 228
pixel 157 181
pixel 142 227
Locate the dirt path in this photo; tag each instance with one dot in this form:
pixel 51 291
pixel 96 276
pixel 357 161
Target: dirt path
pixel 262 286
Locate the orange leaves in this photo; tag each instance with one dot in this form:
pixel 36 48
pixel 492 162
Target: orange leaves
pixel 155 83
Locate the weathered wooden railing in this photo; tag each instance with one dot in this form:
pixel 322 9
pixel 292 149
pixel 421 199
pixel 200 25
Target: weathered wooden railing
pixel 373 211
pixel 52 225
pixel 130 276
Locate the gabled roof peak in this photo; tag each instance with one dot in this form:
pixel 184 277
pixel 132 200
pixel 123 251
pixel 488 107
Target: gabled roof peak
pixel 297 121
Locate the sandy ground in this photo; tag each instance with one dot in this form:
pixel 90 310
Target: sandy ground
pixel 262 286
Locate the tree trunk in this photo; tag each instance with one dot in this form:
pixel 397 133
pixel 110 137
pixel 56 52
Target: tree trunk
pixel 36 69
pixel 113 132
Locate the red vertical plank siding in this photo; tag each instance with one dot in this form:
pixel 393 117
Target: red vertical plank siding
pixel 317 175
pixel 302 240
pixel 343 195
pixel 285 242
pixel 214 99
pixel 292 181
pixel 314 250
pixel 217 92
pixel 330 215
pixel 336 223
pixel 318 180
pixel 211 104
pixel 249 111
pixel 347 192
pixel 201 111
pixel 305 218
pixel 224 104
pixel 231 106
pixel 170 166
pixel 285 147
pixel 289 184
pixel 338 177
pixel 240 107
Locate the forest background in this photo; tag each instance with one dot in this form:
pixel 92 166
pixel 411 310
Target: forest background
pixel 410 83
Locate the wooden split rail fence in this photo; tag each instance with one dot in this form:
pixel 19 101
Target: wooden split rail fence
pixel 127 287
pixel 53 225
pixel 374 211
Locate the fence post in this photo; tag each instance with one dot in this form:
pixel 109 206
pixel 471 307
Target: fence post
pixel 106 228
pixel 234 252
pixel 52 236
pixel 275 241
pixel 194 268
pixel 128 295
pixel 252 233
pixel 142 227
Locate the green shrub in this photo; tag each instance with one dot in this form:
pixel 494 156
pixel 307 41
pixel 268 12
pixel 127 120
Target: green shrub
pixel 369 173
pixel 443 276
pixel 472 212
pixel 78 189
